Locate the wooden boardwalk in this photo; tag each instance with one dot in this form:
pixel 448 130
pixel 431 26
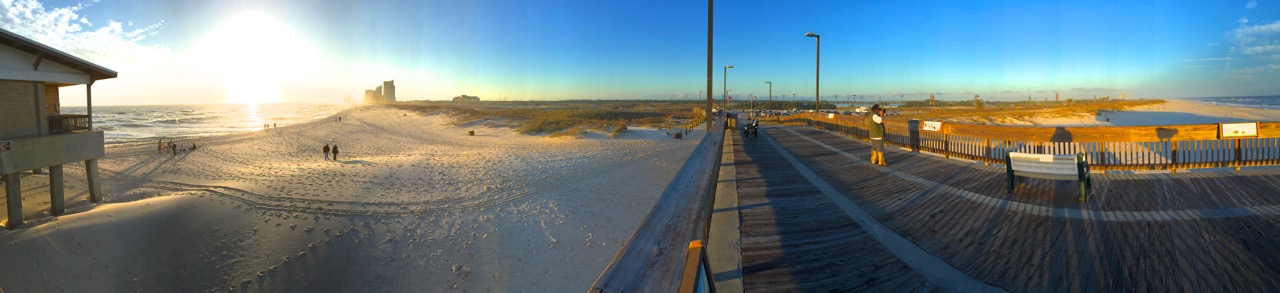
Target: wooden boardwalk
pixel 1189 232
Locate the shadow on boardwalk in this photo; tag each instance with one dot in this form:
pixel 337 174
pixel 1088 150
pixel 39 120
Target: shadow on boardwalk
pixel 794 239
pixel 1023 249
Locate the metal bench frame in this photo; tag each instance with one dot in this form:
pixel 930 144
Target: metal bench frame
pixel 1053 167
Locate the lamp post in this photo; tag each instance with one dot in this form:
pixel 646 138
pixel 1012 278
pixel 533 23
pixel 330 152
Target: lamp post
pixel 724 99
pixel 770 91
pixel 816 70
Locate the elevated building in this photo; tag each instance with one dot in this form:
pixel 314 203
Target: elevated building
pixel 466 98
pixel 34 134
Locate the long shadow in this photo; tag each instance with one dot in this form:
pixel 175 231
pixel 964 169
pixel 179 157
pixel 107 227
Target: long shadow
pixel 816 247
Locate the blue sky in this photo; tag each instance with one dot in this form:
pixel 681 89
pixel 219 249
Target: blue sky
pixel 323 51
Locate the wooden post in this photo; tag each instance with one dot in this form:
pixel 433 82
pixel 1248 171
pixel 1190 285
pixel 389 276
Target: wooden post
pixel 946 143
pixel 56 191
pixel 692 268
pixel 1173 154
pixel 986 151
pixel 14 195
pixel 95 187
pixel 1238 159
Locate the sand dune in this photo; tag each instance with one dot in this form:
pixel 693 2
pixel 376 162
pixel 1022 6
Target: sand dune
pixel 413 204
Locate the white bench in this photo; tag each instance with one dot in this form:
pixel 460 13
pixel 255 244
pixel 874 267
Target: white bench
pixel 1046 166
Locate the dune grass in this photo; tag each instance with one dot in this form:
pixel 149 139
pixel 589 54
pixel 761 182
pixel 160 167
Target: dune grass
pixel 566 118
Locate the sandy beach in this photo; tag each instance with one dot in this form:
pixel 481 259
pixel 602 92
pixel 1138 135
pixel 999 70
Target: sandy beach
pixel 412 204
pixel 1171 112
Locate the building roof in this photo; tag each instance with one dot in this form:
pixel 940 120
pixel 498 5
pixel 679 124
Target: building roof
pixel 29 46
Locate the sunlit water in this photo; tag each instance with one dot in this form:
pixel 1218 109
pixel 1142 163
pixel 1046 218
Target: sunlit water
pixel 1268 102
pixel 123 124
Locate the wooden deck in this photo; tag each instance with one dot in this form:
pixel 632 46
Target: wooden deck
pixel 1202 232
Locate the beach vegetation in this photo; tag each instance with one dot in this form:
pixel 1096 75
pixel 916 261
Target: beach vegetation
pixel 565 118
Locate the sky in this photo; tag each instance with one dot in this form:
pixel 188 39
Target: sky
pixel 264 51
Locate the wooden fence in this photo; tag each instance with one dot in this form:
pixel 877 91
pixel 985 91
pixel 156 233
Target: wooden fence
pixel 1106 147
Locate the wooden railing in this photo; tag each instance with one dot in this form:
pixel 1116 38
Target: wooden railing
pixel 1106 147
pixel 68 123
pixel 653 259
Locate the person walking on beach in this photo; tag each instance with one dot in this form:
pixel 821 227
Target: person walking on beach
pixel 875 130
pixel 160 146
pixel 335 152
pixel 326 152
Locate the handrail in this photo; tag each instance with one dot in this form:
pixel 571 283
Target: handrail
pixel 1170 147
pixel 653 258
pixel 67 123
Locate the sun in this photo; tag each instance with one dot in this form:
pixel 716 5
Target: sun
pixel 254 54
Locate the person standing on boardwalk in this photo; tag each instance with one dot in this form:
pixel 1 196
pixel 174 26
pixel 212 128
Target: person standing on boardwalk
pixel 875 130
pixel 335 152
pixel 326 152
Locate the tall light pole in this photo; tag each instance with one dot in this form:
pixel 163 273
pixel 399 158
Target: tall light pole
pixel 816 70
pixel 770 91
pixel 724 99
pixel 711 12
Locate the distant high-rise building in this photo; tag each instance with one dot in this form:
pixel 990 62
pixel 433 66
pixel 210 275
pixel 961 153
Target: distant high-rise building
pixel 389 91
pixel 385 93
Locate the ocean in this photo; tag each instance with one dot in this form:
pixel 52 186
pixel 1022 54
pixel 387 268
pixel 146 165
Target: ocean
pixel 1267 102
pixel 124 124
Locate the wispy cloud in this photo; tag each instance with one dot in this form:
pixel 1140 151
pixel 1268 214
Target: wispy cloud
pixel 1252 4
pixel 65 29
pixel 1210 59
pixel 1257 47
pixel 148 72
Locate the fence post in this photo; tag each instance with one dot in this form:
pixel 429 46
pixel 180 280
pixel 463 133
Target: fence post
pixel 946 144
pixel 1238 161
pixel 913 130
pixel 1173 166
pixel 986 152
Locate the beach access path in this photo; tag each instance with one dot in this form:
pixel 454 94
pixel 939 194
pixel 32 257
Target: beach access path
pixel 816 216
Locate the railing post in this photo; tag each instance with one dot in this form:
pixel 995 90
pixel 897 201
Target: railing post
pixel 946 145
pixel 1238 160
pixel 986 151
pixel 913 130
pixel 1173 155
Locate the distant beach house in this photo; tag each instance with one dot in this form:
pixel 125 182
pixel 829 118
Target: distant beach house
pixel 466 98
pixel 34 134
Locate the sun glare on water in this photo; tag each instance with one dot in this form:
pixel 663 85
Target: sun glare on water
pixel 253 54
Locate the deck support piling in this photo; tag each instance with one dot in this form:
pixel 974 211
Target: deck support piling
pixel 13 193
pixel 95 187
pixel 56 191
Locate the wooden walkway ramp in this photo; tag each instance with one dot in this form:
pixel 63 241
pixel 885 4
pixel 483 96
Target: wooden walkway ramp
pixel 1192 232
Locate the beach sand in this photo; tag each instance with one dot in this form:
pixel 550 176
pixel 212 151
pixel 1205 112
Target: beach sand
pixel 1171 112
pixel 413 204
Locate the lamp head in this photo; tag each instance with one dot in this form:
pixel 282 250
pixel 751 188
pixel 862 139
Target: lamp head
pixel 728 66
pixel 810 34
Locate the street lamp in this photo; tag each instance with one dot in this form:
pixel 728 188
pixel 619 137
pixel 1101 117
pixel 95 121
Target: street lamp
pixel 724 99
pixel 816 70
pixel 770 91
